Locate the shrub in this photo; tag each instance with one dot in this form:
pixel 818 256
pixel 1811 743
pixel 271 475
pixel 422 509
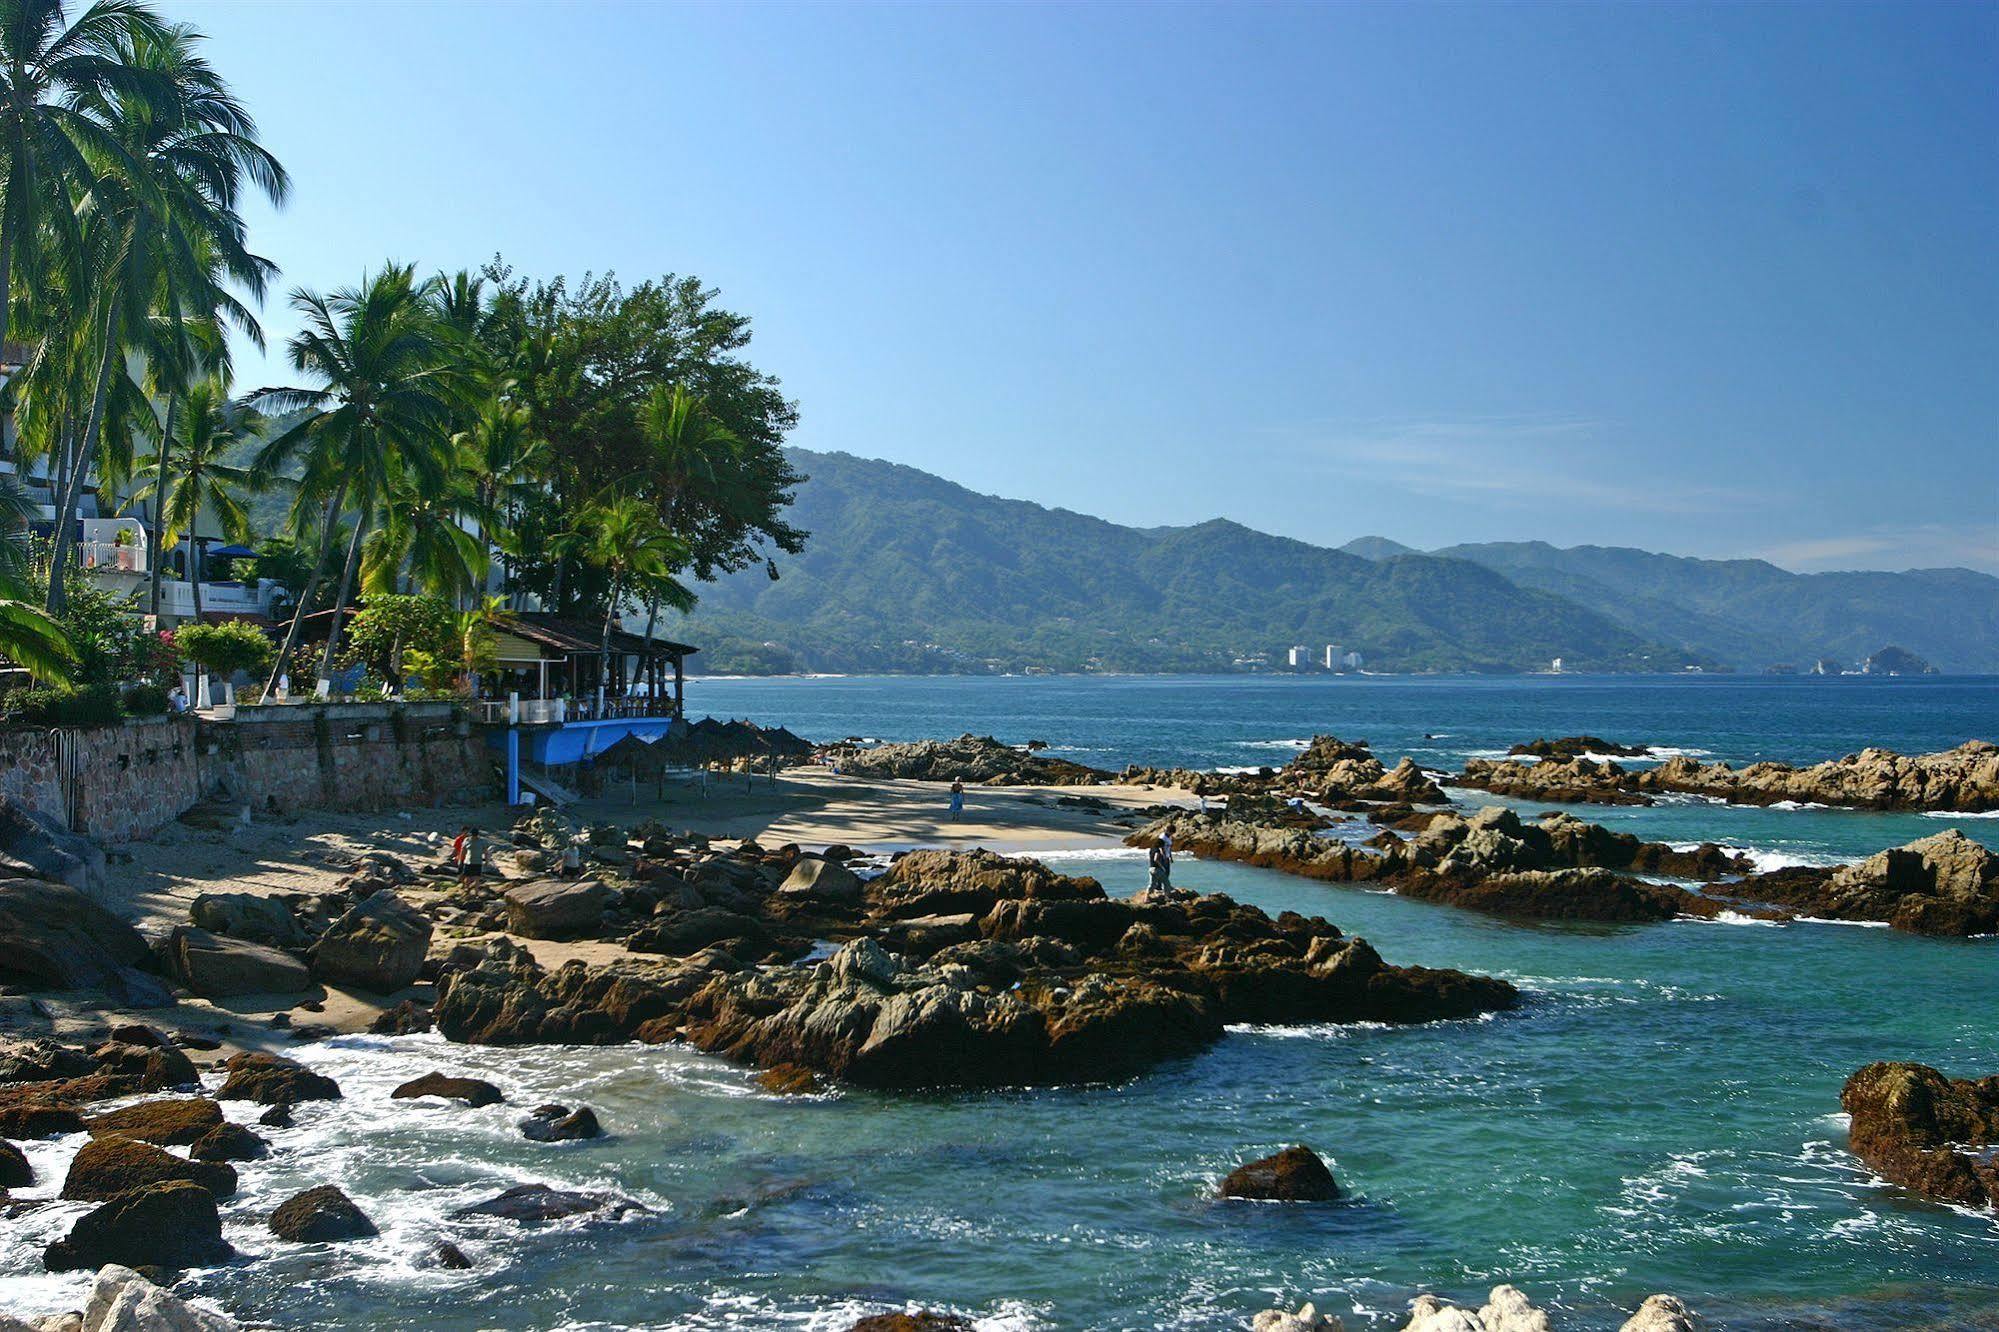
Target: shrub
pixel 224 649
pixel 145 700
pixel 92 705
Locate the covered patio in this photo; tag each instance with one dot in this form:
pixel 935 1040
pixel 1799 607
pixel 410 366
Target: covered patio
pixel 555 667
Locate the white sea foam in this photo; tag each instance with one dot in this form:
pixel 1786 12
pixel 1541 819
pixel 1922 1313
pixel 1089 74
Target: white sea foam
pixel 1293 743
pixel 1089 853
pixel 1946 814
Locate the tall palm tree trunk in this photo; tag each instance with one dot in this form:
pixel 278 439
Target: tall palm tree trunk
pixel 6 309
pixel 72 490
pixel 159 523
pixel 340 597
pixel 604 645
pixel 280 666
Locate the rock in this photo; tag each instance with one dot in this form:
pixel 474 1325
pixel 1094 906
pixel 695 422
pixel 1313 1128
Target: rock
pixel 34 845
pixel 407 1018
pixel 681 933
pixel 278 1116
pixel 450 1257
pixel 556 1123
pixel 788 1080
pixel 923 1320
pixel 1506 1310
pixel 54 937
pixel 1334 771
pixel 1911 1125
pixel 228 1142
pixel 123 1301
pixel 1578 746
pixel 217 967
pixel 1945 885
pixel 970 759
pixel 264 920
pixel 1295 1174
pixel 39 1119
pixel 539 1202
pixel 322 1215
pixel 169 1225
pixel 1307 1319
pixel 110 1166
pixel 1567 780
pixel 270 1079
pixel 815 877
pixel 473 1091
pixel 15 1172
pixel 1661 1313
pixel 149 1067
pixel 174 1122
pixel 1962 780
pixel 557 908
pixel 377 946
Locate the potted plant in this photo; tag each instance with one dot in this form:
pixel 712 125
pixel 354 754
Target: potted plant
pixel 223 649
pixel 124 541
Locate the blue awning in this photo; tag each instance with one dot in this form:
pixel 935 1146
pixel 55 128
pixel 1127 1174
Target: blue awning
pixel 230 552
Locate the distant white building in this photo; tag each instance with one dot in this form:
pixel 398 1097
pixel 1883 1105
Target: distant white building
pixel 1299 657
pixel 1556 666
pixel 1334 655
pixel 1351 661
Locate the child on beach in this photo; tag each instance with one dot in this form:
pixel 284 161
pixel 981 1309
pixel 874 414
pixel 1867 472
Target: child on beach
pixel 957 800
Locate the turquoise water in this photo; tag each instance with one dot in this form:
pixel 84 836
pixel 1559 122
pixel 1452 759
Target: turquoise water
pixel 1661 1114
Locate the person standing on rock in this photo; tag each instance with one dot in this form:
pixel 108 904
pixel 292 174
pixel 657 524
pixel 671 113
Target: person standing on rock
pixel 1166 859
pixel 957 800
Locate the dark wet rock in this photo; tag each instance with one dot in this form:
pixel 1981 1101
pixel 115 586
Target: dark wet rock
pixel 217 966
pixel 1926 1132
pixel 407 1018
pixel 1576 746
pixel 39 1118
pixel 43 1060
pixel 107 1167
pixel 557 908
pixel 270 1079
pixel 472 1091
pixel 539 1202
pixel 34 845
pixel 923 1320
pixel 228 1142
pixel 174 1122
pixel 278 1116
pixel 972 759
pixel 1295 1174
pixel 322 1215
pixel 170 1225
pixel 508 999
pixel 450 1257
pixel 15 1172
pixel 252 916
pixel 822 878
pixel 684 932
pixel 788 1080
pixel 558 1123
pixel 54 937
pixel 378 945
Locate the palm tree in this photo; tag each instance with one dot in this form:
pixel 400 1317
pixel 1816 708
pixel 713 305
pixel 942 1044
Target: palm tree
pixel 423 537
pixel 161 229
pixel 380 419
pixel 28 637
pixel 500 452
pixel 46 67
pixel 208 428
pixel 691 452
pixel 626 539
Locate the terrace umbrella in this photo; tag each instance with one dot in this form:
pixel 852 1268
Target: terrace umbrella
pixel 785 743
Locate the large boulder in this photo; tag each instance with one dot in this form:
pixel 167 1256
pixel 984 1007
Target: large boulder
pixel 270 1079
pixel 557 908
pixel 817 877
pixel 1295 1174
pixel 123 1301
pixel 15 1172
pixel 106 1167
pixel 170 1123
pixel 54 937
pixel 1661 1313
pixel 558 1123
pixel 169 1225
pixel 540 1202
pixel 252 916
pixel 34 845
pixel 322 1215
pixel 473 1091
pixel 1912 1125
pixel 378 945
pixel 1307 1319
pixel 216 966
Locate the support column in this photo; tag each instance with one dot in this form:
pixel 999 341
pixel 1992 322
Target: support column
pixel 513 766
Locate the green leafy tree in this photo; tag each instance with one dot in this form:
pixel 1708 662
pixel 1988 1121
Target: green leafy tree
pixel 224 649
pixel 627 540
pixel 390 626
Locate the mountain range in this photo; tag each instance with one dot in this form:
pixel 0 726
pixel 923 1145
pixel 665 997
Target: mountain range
pixel 905 571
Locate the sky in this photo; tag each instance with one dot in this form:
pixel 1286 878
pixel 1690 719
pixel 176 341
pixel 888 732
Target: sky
pixel 1720 281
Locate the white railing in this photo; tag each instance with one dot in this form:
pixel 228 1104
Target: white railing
pixel 113 543
pixel 177 598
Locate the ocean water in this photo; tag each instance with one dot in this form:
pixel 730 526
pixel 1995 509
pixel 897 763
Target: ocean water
pixel 1661 1114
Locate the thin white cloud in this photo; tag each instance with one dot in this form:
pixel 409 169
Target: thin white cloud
pixel 1514 461
pixel 1912 546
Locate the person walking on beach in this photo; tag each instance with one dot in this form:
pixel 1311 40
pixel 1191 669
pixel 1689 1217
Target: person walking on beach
pixel 957 801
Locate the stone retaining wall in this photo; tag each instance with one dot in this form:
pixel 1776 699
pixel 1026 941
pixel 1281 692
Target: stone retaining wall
pixel 134 778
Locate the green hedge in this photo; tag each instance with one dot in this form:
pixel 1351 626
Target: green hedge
pixel 92 705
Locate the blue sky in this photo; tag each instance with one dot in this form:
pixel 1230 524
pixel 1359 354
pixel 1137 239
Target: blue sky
pixel 1719 281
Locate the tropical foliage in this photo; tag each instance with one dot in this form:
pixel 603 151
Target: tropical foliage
pixel 470 441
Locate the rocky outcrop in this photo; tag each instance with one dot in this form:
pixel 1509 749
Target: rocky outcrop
pixel 474 1092
pixel 34 845
pixel 1946 885
pixel 270 1079
pixel 228 1142
pixel 15 1171
pixel 378 945
pixel 322 1215
pixel 1338 772
pixel 1307 1319
pixel 972 759
pixel 1295 1174
pixel 1926 1132
pixel 540 1202
pixel 252 916
pixel 558 1123
pixel 217 966
pixel 1578 746
pixel 1661 1313
pixel 123 1301
pixel 170 1123
pixel 169 1225
pixel 106 1167
pixel 1557 867
pixel 1961 780
pixel 53 937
